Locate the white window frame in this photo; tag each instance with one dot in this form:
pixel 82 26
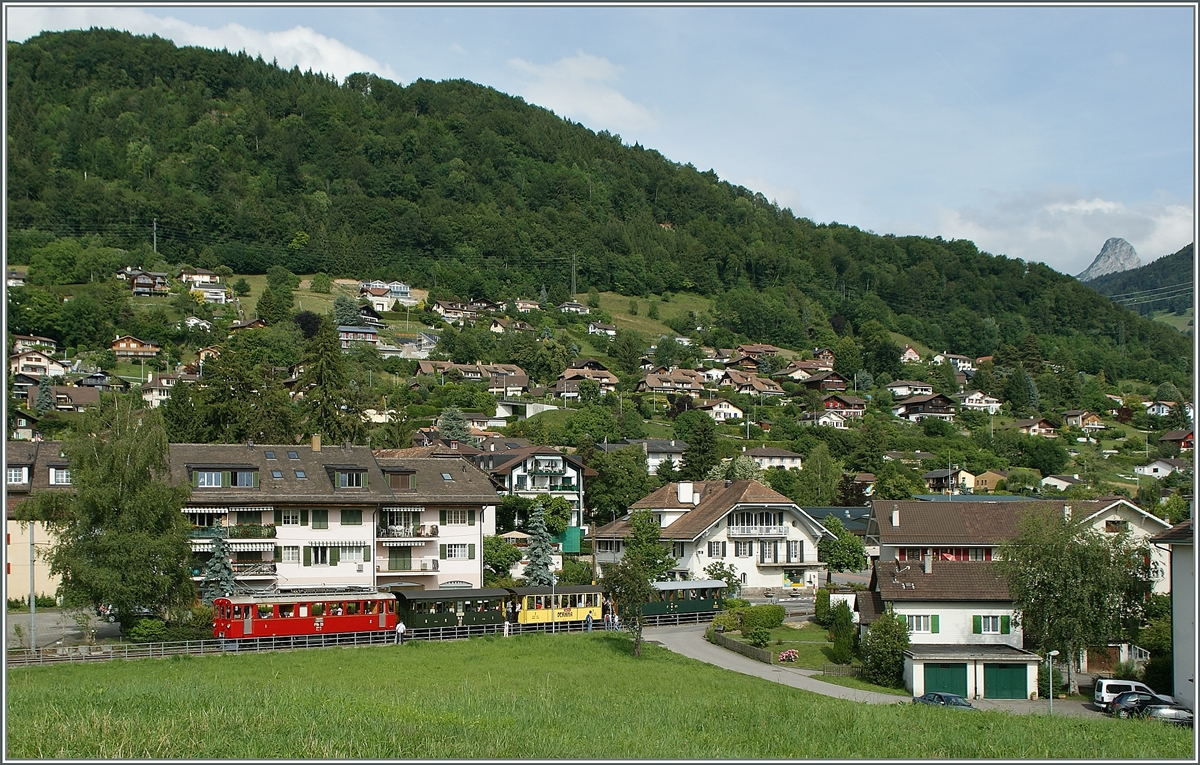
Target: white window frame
pixel 205 478
pixel 456 551
pixel 290 518
pixel 17 473
pixel 793 551
pixel 990 625
pixel 60 476
pixel 351 555
pixel 290 554
pixel 456 517
pixel 919 623
pixel 743 549
pixel 320 556
pixel 605 545
pixel 351 479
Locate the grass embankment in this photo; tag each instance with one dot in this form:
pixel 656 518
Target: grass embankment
pixel 577 696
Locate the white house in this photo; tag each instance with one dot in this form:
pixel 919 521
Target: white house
pixel 195 322
pixel 909 355
pixel 572 307
pixel 977 401
pixel 1179 540
pixel 35 363
pixel 770 456
pixel 1060 482
pixel 720 410
pixel 905 388
pixel 212 293
pixel 533 470
pixel 1161 468
pixel 769 540
pixel 958 361
pixel 597 328
pixel 350 335
pixel 826 419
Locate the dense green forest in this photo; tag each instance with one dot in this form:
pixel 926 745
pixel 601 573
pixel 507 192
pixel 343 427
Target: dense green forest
pixel 464 190
pixel 1164 285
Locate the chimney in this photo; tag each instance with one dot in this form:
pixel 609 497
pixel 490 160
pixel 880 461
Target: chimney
pixel 895 517
pixel 684 492
pixel 1067 513
pixel 929 562
pixel 695 497
pixel 316 442
pixel 728 483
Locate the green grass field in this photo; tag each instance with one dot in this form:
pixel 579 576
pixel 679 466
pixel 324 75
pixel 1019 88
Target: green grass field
pixel 539 696
pixel 618 307
pixel 1182 323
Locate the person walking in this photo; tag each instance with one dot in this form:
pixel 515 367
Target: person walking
pixel 606 610
pixel 400 628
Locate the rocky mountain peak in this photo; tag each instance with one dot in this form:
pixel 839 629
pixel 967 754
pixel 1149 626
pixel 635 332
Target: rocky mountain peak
pixel 1115 256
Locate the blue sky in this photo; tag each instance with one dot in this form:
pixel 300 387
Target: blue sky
pixel 1037 132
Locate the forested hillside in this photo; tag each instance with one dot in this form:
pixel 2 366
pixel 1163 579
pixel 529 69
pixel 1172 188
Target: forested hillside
pixel 459 188
pixel 1164 285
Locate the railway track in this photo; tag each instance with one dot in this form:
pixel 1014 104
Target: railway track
pixel 22 657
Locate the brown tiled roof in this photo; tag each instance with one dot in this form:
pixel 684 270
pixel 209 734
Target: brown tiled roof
pixel 947 580
pixel 468 483
pixel 869 606
pixel 1180 533
pixel 962 523
pixel 770 451
pixel 716 499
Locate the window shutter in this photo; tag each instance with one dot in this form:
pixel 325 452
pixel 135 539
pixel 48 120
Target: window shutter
pixel 307 555
pixel 933 623
pixel 366 555
pixel 304 516
pixel 442 552
pixel 226 478
pixel 470 517
pixel 256 479
pixel 1005 625
pixel 278 517
pixel 441 517
pixel 723 549
pixel 195 478
pixel 471 552
pixel 278 554
pixel 335 555
pixel 976 625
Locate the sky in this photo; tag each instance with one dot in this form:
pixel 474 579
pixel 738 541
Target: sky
pixel 1037 132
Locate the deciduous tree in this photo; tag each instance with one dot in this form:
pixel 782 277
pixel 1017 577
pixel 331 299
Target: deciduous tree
pixel 843 552
pixel 883 651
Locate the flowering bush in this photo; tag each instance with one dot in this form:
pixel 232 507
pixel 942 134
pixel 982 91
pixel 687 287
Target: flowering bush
pixel 789 655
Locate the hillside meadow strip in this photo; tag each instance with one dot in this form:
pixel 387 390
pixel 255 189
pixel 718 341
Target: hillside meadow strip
pixel 566 696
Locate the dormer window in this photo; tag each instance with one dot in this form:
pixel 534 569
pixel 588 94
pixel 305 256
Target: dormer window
pixel 350 479
pixel 60 476
pixel 401 481
pixel 207 478
pixel 17 475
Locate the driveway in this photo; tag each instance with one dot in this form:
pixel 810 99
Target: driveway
pixel 53 625
pixel 689 641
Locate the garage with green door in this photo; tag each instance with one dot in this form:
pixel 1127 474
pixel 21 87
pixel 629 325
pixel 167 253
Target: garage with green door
pixel 946 678
pixel 1005 681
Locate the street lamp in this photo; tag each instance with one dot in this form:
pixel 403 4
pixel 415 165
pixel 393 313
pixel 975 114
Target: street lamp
pixel 553 581
pixel 1050 678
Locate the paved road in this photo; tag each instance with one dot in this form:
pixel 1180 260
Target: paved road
pixel 689 641
pixel 53 625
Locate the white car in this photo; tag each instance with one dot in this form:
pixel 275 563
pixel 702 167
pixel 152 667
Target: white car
pixel 1108 689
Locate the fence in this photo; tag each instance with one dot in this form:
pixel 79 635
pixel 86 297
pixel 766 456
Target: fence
pixel 758 654
pixel 841 670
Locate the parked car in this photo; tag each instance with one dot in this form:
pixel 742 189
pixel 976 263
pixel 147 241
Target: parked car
pixel 1108 689
pixel 1172 713
pixel 1135 703
pixel 110 612
pixel 935 699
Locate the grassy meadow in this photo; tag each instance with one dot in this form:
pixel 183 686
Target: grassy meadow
pixel 538 696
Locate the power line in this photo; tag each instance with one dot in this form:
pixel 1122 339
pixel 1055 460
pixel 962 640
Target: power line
pixel 1139 293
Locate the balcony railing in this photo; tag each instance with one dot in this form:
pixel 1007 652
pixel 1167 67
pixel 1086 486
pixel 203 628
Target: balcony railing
pixel 546 468
pixel 406 532
pixel 252 531
pixel 208 532
pixel 254 568
pixel 757 531
pixel 428 565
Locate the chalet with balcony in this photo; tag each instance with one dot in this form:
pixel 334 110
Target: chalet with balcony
pixel 824 355
pixel 687 381
pixel 36 364
pixel 1083 419
pixel 751 384
pixel 567 385
pixel 198 276
pixel 909 355
pixel 157 389
pixel 758 349
pixel 22 343
pixel 576 308
pixel 598 328
pixel 906 388
pixel 977 401
pixel 129 347
pixel 452 311
pixel 350 336
pixel 149 284
pixel 823 419
pixel 826 382
pixel 849 407
pixel 949 481
pixel 67 398
pixel 770 456
pixel 769 540
pixel 918 408
pixel 1036 427
pixel 720 409
pixel 1183 439
pixel 958 361
pixel 525 306
pixel 799 371
pixel 533 470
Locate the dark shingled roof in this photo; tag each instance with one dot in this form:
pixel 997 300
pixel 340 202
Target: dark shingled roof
pixel 469 484
pixel 962 523
pixel 948 580
pixel 869 606
pixel 1180 533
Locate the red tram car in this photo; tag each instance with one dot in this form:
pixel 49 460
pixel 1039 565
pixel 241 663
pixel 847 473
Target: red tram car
pixel 286 615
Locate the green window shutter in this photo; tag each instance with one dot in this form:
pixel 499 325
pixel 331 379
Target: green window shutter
pixel 1005 625
pixel 278 554
pixel 412 481
pixel 441 517
pixel 976 625
pixel 933 623
pixel 365 476
pixel 195 478
pixel 366 555
pixel 470 517
pixel 256 479
pixel 278 517
pixel 442 552
pixel 226 478
pixel 320 519
pixel 335 555
pixel 471 552
pixel 307 555
pixel 304 516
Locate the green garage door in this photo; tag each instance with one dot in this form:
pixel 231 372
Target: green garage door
pixel 946 678
pixel 1005 681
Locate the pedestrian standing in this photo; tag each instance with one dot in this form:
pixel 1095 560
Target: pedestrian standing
pixel 589 621
pixel 400 628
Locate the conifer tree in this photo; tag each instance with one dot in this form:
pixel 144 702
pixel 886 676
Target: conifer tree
pixel 324 383
pixel 539 572
pixel 453 425
pixel 218 573
pixel 45 396
pixel 701 454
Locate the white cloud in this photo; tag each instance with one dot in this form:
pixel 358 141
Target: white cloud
pixel 298 46
pixel 577 87
pixel 1066 229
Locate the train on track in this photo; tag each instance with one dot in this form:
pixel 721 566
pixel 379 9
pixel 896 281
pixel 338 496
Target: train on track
pixel 477 611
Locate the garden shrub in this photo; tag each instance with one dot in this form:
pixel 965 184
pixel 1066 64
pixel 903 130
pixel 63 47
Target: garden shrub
pixel 733 604
pixel 768 617
pixel 727 621
pixel 883 653
pixel 148 631
pixel 760 637
pixel 821 613
pixel 1060 685
pixel 1159 674
pixel 843 634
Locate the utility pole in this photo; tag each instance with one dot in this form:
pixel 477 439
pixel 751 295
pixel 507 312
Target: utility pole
pixel 156 236
pixel 32 593
pixel 572 276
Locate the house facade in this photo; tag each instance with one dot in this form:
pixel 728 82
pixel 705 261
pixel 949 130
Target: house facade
pixel 977 401
pixel 533 470
pixel 720 410
pixel 1083 419
pixel 849 407
pixel 157 389
pixel 349 336
pixel 36 364
pixel 826 419
pixel 129 347
pixel 597 328
pixel 1036 427
pixel 906 388
pixel 67 398
pixel 949 481
pixel 1161 468
pixel 770 456
pixel 31 466
pixel 1180 541
pixel 769 540
pixel 918 408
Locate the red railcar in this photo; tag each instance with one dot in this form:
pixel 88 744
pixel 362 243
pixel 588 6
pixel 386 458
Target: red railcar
pixel 318 614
